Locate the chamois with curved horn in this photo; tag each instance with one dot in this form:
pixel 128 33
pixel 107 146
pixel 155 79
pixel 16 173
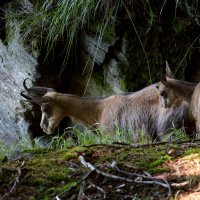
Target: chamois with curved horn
pixel 140 112
pixel 171 90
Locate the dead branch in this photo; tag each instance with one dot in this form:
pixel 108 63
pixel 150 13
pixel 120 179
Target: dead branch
pixel 98 188
pixel 81 190
pixel 86 196
pixel 146 177
pixel 178 185
pixel 89 165
pixel 104 145
pixel 140 145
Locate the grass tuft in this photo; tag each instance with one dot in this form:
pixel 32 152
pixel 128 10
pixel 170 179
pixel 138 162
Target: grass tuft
pixel 81 135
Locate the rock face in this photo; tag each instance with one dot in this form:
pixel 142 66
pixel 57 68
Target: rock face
pixel 98 60
pixel 16 64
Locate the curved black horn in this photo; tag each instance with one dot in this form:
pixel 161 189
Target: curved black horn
pixel 38 100
pixel 25 87
pixel 36 90
pixel 25 96
pixel 41 100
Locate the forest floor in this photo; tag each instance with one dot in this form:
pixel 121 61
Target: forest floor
pixel 165 171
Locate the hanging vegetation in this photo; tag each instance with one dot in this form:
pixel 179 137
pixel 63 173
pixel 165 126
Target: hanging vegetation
pixel 52 21
pixel 59 21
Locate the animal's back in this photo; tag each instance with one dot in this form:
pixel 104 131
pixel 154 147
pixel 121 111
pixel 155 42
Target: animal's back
pixel 136 112
pixel 142 114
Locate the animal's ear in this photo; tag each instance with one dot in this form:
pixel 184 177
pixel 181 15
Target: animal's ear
pixel 157 85
pixel 163 79
pixel 168 70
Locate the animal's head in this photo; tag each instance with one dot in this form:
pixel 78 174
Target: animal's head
pixel 45 97
pixel 167 94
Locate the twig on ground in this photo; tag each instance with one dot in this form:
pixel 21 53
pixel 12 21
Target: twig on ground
pixel 16 181
pixel 98 188
pixel 57 198
pixel 121 143
pixel 81 190
pixel 66 192
pixel 146 177
pixel 104 145
pixel 178 185
pixel 89 165
pixel 149 175
pixel 140 145
pixel 86 196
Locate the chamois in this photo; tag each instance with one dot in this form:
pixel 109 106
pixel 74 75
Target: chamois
pixel 140 112
pixel 195 107
pixel 172 90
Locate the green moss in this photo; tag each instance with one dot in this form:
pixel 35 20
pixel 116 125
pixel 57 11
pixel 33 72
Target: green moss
pixel 158 170
pixel 108 33
pixel 57 176
pixel 65 187
pixel 148 158
pixel 47 174
pixel 156 163
pixel 173 146
pixel 108 170
pixel 179 27
pixel 78 149
pixel 122 157
pixel 191 151
pixel 106 158
pixel 98 77
pixel 123 85
pixel 68 156
pixel 32 198
pixel 40 181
